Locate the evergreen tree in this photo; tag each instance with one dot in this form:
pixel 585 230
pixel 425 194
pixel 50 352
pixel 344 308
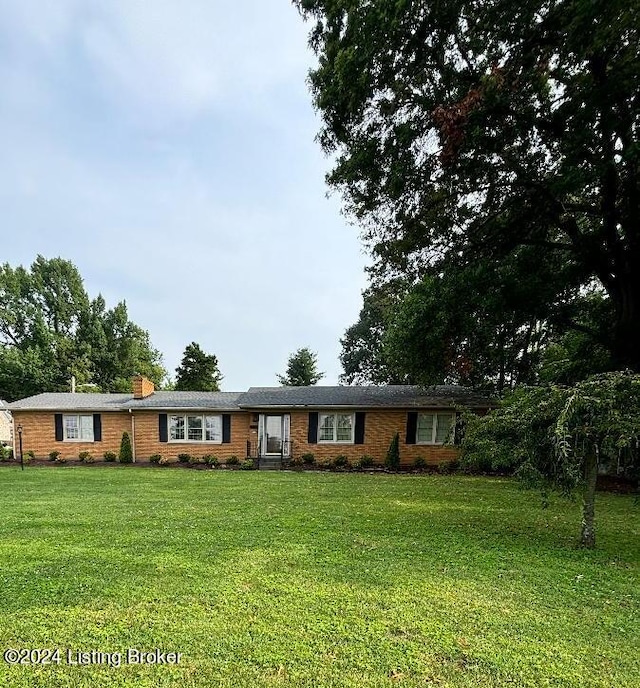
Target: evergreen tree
pixel 392 459
pixel 302 369
pixel 126 450
pixel 198 371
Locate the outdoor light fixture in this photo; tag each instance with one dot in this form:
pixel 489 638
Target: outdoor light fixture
pixel 19 428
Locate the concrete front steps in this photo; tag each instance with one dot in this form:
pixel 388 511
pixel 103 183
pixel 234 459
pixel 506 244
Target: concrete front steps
pixel 270 463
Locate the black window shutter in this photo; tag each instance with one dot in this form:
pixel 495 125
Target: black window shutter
pixel 226 428
pixel 163 433
pixel 312 437
pixel 97 427
pixel 412 427
pixel 359 433
pixel 458 430
pixel 59 432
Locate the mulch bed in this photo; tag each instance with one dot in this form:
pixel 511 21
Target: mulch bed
pixel 606 483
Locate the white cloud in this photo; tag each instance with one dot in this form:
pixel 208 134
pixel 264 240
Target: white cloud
pixel 179 60
pixel 167 150
pixel 41 25
pixel 168 59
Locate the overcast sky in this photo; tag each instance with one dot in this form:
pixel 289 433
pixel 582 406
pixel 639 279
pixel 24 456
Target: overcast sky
pixel 167 149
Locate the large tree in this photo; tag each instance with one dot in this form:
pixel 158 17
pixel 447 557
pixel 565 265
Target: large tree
pixel 365 358
pixel 302 369
pixel 50 330
pixel 198 371
pixel 467 133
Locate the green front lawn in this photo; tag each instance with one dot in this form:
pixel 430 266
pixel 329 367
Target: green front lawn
pixel 313 579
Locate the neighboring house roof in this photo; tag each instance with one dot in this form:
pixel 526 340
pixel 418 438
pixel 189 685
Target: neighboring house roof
pixel 66 401
pixel 186 400
pixel 396 396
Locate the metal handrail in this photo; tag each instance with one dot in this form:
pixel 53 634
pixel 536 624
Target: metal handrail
pixel 254 450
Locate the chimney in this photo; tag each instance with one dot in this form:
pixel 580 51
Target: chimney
pixel 142 387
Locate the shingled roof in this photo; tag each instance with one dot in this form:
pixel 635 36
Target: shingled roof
pixel 387 396
pixel 396 396
pixel 225 401
pixel 66 401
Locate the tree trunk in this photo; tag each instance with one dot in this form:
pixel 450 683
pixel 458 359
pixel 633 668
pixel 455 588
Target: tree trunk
pixel 626 334
pixel 588 534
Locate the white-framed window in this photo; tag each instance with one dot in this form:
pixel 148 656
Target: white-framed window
pixel 434 428
pixel 336 427
pixel 77 428
pixel 195 428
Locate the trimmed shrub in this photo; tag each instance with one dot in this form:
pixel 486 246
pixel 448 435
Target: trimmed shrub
pixel 392 460
pixel 89 459
pixel 357 465
pixel 211 460
pixel 232 461
pixel 367 461
pixel 447 467
pixel 325 464
pixel 297 462
pixel 109 456
pixel 126 451
pixel 163 461
pixel 155 458
pixel 420 462
pixel 6 453
pixel 53 455
pixel 247 465
pixel 195 460
pixel 308 459
pixel 61 459
pixel 31 455
pixel 184 458
pixel 84 455
pixel 341 461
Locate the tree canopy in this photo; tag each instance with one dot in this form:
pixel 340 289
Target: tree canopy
pixel 198 371
pixel 494 145
pixel 302 369
pixel 51 330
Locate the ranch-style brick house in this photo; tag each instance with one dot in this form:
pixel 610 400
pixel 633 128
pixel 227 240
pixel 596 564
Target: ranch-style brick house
pixel 268 424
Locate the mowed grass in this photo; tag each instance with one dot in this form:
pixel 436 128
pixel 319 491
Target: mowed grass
pixel 298 579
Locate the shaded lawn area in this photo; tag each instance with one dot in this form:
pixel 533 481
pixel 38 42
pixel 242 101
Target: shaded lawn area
pixel 314 579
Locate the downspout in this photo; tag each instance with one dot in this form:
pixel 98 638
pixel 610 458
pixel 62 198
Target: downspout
pixel 133 434
pixel 13 436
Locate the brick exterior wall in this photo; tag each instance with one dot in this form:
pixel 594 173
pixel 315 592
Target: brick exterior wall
pixel 142 387
pixel 147 441
pixel 39 434
pixel 380 427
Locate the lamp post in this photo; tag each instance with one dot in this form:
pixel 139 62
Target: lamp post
pixel 20 445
